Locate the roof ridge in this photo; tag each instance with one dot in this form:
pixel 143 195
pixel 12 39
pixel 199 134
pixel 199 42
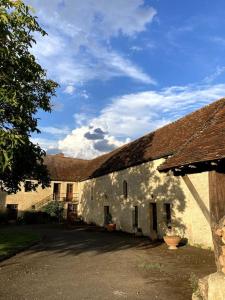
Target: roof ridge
pixel 160 128
pixel 68 157
pixel 205 125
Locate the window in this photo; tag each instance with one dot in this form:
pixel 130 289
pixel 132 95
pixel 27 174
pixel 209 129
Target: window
pixel 107 215
pixel 56 191
pixel 125 189
pixel 153 216
pixel 135 217
pixel 92 193
pixel 27 186
pixel 69 192
pixel 12 211
pixel 167 209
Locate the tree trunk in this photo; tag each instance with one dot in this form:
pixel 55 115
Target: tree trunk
pixel 217 209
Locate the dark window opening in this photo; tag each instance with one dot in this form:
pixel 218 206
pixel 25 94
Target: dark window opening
pixel 12 211
pixel 167 208
pixel 153 216
pixel 92 193
pixel 107 215
pixel 27 186
pixel 69 192
pixel 56 191
pixel 125 189
pixel 33 207
pixel 135 218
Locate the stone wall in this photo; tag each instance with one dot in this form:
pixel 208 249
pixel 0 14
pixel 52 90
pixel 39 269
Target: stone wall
pixel 145 186
pixel 25 200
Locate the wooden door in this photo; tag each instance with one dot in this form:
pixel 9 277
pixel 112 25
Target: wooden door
pixel 56 191
pixel 12 211
pixel 217 209
pixel 69 192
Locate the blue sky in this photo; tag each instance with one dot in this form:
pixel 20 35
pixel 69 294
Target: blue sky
pixel 125 68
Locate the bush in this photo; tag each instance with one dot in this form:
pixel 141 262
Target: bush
pixel 34 217
pixel 3 217
pixel 54 209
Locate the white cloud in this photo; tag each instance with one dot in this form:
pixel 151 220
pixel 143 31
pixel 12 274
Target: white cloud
pixel 78 46
pixel 45 143
pixel 77 145
pixel 55 130
pixel 219 71
pixel 134 115
pixel 70 89
pixel 136 48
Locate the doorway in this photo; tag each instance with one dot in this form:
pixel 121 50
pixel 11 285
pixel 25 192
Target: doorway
pixel 12 211
pixel 153 218
pixel 56 191
pixel 106 214
pixel 72 213
pixel 135 217
pixel 69 192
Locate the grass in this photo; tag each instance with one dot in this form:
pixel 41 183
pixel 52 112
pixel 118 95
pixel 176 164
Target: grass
pixel 13 240
pixel 150 266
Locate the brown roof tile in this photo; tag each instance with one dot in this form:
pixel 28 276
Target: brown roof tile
pixel 63 168
pixel 196 137
pixel 206 145
pixel 160 143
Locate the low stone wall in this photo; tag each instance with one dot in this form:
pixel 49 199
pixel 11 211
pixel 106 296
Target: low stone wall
pixel 211 287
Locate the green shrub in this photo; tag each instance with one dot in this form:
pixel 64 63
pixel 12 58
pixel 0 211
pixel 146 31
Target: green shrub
pixel 34 217
pixel 54 209
pixel 3 217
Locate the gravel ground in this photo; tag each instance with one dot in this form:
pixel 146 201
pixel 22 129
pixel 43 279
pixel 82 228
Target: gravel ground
pixel 88 263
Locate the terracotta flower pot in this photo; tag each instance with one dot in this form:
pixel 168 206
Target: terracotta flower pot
pixel 111 227
pixel 172 241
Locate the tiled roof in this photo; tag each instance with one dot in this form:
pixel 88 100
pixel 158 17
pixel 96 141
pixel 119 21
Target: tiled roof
pixel 199 136
pixel 161 143
pixel 207 144
pixel 63 168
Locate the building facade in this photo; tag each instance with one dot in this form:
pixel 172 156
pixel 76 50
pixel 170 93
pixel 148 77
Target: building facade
pixel 160 179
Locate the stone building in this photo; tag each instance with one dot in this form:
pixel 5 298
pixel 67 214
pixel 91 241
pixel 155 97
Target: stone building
pixel 172 175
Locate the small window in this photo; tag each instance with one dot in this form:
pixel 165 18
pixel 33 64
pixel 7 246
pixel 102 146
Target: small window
pixel 33 207
pixel 92 193
pixel 27 186
pixel 107 215
pixel 167 209
pixel 153 216
pixel 125 189
pixel 135 216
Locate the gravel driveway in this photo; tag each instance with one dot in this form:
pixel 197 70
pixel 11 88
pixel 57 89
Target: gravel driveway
pixel 88 263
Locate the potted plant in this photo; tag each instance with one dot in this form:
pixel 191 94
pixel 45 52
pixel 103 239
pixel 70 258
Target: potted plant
pixel 172 237
pixel 110 226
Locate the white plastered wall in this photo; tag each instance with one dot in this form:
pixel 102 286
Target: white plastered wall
pixel 147 185
pixel 25 200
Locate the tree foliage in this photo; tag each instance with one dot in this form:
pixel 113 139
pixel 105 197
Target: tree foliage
pixel 24 89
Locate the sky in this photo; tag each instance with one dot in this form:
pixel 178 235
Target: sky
pixel 125 68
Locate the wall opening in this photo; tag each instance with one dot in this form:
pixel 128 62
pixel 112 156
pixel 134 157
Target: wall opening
pixel 167 210
pixel 135 217
pixel 69 192
pixel 153 217
pixel 107 215
pixel 56 191
pixel 92 193
pixel 12 211
pixel 125 189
